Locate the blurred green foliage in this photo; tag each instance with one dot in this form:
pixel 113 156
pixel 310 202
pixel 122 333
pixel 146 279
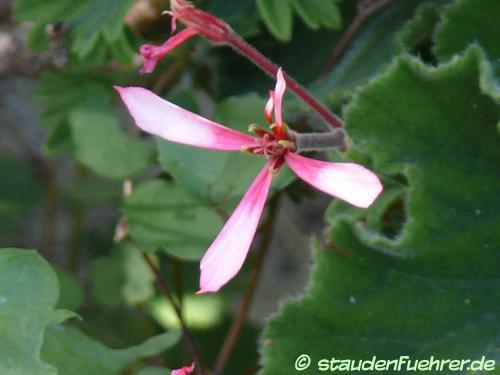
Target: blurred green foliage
pixel 416 274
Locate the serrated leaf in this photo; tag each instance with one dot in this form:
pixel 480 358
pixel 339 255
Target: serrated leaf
pixel 28 295
pixel 435 290
pixel 161 215
pixel 100 18
pixel 420 27
pixel 122 277
pixel 101 144
pixel 74 353
pixel 277 16
pixel 466 22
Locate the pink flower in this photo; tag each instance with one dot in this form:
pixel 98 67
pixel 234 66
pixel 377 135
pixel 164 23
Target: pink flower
pixel 224 258
pixel 183 371
pixel 197 22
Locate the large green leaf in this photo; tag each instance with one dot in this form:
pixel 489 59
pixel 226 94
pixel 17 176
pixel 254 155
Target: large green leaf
pixel 162 215
pixel 434 290
pixel 74 353
pixel 28 295
pixel 466 22
pixel 101 144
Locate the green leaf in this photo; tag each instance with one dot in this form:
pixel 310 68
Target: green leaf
pixel 62 93
pixel 370 52
pixel 121 277
pixel 466 22
pixel 28 296
pixel 241 15
pixel 435 289
pixel 421 28
pixel 277 16
pixel 71 291
pixel 317 13
pixel 42 13
pixel 161 215
pixel 100 19
pixel 101 144
pixel 74 353
pixel 153 371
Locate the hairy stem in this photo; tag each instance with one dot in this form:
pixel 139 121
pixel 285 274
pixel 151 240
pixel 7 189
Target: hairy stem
pixel 251 53
pixel 318 141
pixel 188 336
pixel 246 302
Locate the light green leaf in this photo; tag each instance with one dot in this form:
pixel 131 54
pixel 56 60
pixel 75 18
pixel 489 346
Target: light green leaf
pixel 100 18
pixel 161 215
pixel 71 291
pixel 74 353
pixel 28 296
pixel 435 289
pixel 278 17
pixel 121 277
pixel 101 145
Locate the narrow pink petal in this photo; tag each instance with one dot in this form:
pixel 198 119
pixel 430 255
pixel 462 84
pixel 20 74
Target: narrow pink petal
pixel 152 54
pixel 183 371
pixel 279 91
pixel 159 117
pixel 350 182
pixel 268 109
pixel 226 255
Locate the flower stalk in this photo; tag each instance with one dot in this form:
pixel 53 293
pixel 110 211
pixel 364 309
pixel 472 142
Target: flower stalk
pixel 236 42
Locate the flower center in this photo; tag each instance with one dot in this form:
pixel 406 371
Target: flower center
pixel 269 144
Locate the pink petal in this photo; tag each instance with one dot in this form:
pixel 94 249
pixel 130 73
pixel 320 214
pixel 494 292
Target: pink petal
pixel 268 109
pixel 152 54
pixel 350 182
pixel 183 371
pixel 159 117
pixel 226 255
pixel 279 91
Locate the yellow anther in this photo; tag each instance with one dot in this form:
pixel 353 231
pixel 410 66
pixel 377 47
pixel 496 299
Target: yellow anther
pixel 245 150
pixel 253 127
pixel 273 171
pixel 287 144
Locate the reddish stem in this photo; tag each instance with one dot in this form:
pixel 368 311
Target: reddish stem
pixel 250 52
